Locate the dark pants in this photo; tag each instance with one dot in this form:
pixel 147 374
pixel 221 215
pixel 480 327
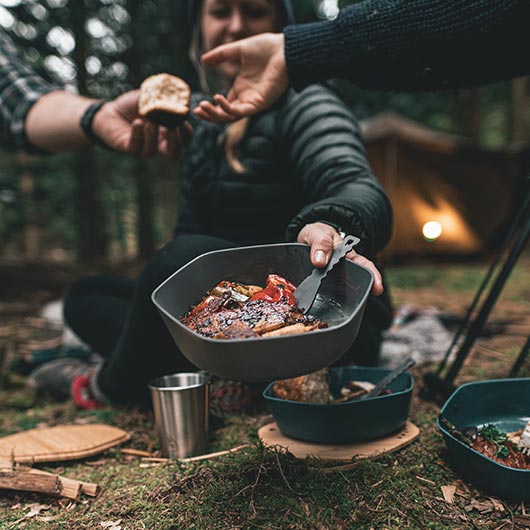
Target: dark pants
pixel 117 319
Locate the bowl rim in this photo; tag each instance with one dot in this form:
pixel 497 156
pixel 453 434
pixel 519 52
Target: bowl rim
pixel 251 340
pixel 445 432
pixel 410 387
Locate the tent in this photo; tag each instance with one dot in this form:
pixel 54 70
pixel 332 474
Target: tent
pixel 450 196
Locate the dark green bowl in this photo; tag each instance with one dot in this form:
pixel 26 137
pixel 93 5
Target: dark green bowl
pixel 348 422
pixel 504 403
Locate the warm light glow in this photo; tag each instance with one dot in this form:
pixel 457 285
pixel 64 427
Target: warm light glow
pixel 432 230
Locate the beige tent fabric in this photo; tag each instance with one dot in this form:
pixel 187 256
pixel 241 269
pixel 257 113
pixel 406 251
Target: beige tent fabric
pixel 469 189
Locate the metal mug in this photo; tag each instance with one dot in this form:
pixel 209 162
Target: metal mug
pixel 180 403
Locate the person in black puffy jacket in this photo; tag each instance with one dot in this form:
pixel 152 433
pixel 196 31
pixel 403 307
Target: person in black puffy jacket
pixel 295 173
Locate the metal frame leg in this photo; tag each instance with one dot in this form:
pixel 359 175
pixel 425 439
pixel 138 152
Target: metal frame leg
pixel 520 359
pixel 437 386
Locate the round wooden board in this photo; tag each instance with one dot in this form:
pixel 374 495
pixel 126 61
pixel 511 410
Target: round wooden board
pixel 62 442
pixel 271 436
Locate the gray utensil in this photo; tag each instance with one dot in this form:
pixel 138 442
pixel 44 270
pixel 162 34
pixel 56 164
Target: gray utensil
pixel 390 378
pixel 306 292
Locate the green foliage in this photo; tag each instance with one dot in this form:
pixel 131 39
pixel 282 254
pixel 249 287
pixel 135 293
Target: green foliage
pixel 490 433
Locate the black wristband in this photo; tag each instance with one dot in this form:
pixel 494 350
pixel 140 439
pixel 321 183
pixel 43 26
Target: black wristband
pixel 86 123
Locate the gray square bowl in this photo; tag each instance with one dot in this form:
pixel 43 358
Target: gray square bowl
pixel 340 302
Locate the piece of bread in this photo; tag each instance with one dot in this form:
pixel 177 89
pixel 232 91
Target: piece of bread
pixel 164 100
pixel 289 330
pixel 310 388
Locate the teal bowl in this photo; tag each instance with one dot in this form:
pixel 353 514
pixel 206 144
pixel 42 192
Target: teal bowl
pixel 504 403
pixel 348 422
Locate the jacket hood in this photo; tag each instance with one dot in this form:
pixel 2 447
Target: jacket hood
pixel 284 7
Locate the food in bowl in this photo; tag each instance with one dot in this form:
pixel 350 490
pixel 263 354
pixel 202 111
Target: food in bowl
pixel 233 310
pixel 310 388
pixel 315 388
pixel 510 449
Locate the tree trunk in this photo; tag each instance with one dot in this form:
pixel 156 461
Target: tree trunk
pixel 144 183
pixel 90 221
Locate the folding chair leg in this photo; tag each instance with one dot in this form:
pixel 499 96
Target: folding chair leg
pixel 520 359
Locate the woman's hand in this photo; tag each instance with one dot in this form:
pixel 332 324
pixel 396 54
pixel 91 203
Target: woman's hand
pixel 323 239
pixel 120 127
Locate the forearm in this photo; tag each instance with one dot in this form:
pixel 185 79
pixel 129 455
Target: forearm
pixel 53 122
pixel 413 45
pixel 329 159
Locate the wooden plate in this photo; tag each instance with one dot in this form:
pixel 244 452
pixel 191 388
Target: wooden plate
pixel 62 442
pixel 271 436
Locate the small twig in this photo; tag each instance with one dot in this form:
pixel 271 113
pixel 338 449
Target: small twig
pixel 213 455
pixel 503 525
pixel 511 515
pixel 197 458
pixel 426 480
pixel 342 467
pixel 283 475
pixel 254 512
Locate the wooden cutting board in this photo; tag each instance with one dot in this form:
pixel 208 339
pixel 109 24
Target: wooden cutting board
pixel 271 436
pixel 62 442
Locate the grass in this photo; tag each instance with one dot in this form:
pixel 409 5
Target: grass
pixel 257 488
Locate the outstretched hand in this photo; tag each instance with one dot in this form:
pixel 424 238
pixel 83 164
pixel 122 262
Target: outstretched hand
pixel 323 239
pixel 261 80
pixel 119 126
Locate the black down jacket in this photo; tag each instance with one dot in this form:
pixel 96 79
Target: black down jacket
pixel 305 162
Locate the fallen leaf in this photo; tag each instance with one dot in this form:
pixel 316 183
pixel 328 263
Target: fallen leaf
pixel 499 506
pixel 449 493
pixel 482 505
pixel 461 489
pixel 35 509
pixel 46 518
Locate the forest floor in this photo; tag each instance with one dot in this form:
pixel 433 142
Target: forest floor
pixel 255 487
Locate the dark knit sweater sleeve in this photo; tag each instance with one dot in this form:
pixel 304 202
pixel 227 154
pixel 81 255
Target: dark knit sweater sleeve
pixel 326 156
pixel 413 44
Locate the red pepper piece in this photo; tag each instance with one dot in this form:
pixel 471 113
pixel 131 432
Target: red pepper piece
pixel 278 289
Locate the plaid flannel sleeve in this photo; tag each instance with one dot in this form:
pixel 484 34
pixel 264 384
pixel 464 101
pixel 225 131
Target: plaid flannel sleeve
pixel 20 88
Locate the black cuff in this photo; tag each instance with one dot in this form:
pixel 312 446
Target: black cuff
pixel 86 123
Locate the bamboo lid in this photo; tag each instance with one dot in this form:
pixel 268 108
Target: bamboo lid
pixel 62 442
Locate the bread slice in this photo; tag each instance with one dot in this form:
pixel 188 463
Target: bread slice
pixel 290 330
pixel 164 100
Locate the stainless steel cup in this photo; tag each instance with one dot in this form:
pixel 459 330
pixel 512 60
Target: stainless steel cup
pixel 180 402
